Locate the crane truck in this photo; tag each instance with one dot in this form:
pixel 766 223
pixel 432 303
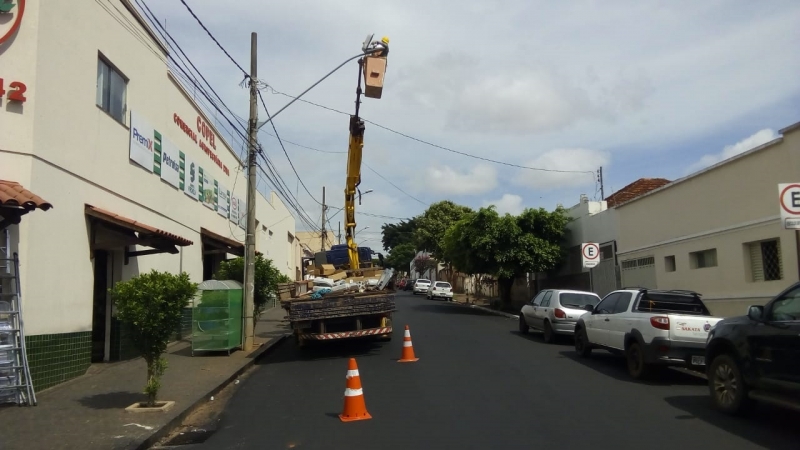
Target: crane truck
pixel 350 300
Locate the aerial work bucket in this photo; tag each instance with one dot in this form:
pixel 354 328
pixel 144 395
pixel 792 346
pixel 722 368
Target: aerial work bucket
pixel 375 71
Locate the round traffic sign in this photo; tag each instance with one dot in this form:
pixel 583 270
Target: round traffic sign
pixel 790 199
pixel 590 249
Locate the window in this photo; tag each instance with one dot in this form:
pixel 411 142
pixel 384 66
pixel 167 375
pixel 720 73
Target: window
pixel 623 301
pixel 577 301
pixel 787 308
pixel 703 258
pixel 765 260
pixel 606 252
pixel 546 300
pixel 538 299
pixel 669 263
pixel 440 284
pixel 112 89
pixel 608 305
pixel 640 262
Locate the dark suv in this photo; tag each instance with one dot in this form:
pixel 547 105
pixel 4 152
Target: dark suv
pixel 757 357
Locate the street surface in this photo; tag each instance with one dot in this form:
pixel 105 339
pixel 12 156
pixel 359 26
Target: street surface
pixel 479 384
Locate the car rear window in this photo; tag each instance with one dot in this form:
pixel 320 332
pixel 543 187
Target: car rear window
pixel 424 281
pixel 575 300
pixel 442 285
pixel 672 302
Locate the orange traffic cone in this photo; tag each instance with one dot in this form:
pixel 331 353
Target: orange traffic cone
pixel 408 348
pixel 354 406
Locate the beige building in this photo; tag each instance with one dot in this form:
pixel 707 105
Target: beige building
pixel 718 231
pixel 312 240
pixel 138 176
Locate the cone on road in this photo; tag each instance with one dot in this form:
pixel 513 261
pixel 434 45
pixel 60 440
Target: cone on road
pixel 408 348
pixel 354 406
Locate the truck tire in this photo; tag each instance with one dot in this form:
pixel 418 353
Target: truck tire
pixel 728 390
pixel 637 367
pixel 582 346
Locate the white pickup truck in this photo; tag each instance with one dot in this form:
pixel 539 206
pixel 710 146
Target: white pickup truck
pixel 650 327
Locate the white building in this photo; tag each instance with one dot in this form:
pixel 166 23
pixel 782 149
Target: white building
pixel 718 231
pixel 138 177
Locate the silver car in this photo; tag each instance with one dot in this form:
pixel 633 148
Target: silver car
pixel 421 286
pixel 555 312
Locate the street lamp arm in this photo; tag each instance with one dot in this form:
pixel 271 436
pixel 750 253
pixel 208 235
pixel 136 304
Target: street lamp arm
pixel 294 99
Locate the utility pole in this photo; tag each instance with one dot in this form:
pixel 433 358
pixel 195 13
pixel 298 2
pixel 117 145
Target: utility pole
pixel 324 233
pixel 600 180
pixel 340 232
pixel 250 239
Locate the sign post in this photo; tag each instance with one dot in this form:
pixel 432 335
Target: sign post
pixel 789 200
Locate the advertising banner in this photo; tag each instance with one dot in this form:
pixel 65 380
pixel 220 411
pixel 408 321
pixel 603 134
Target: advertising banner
pixel 145 141
pixel 170 163
pixel 234 215
pixel 242 214
pixel 189 177
pixel 223 201
pixel 208 190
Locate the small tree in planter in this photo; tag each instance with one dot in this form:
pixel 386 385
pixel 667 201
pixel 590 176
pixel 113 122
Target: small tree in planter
pixel 150 305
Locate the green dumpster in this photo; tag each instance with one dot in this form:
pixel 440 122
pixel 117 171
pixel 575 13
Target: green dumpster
pixel 217 316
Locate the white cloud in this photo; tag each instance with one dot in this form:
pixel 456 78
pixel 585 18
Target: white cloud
pixel 759 138
pixel 444 180
pixel 509 203
pixel 574 159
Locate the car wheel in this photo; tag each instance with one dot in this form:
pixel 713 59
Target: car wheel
pixel 549 335
pixel 637 367
pixel 523 326
pixel 729 393
pixel 582 346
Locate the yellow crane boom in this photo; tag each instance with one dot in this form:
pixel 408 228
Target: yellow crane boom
pixel 373 68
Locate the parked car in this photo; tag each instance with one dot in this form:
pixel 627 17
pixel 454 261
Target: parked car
pixel 650 327
pixel 555 312
pixel 409 285
pixel 756 358
pixel 441 289
pixel 421 286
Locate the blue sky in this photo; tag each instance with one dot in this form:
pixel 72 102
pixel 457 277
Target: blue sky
pixel 645 89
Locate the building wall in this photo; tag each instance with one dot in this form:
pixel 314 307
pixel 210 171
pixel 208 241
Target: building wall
pixel 64 148
pixel 726 208
pixel 313 239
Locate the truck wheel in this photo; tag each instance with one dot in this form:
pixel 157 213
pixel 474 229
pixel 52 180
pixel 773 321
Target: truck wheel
pixel 729 392
pixel 523 326
pixel 582 346
pixel 637 367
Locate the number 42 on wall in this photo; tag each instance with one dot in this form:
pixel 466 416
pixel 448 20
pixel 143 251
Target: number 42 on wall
pixel 16 91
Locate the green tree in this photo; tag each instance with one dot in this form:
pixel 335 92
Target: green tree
pixel 266 280
pixel 400 257
pixel 507 246
pixel 150 305
pixel 394 234
pixel 434 222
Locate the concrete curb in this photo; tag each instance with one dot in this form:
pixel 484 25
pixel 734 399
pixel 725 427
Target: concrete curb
pixel 176 422
pixel 486 310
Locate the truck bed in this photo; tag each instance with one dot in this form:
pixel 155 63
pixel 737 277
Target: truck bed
pixel 340 305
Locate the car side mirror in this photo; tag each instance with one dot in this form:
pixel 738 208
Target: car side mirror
pixel 756 313
pixel 589 308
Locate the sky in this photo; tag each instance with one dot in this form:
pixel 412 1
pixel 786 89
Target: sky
pixel 641 89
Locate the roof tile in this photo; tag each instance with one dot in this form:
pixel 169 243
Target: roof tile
pixel 14 195
pixel 635 189
pixel 135 225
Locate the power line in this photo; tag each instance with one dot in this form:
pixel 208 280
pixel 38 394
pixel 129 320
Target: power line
pixel 215 39
pixel 422 141
pixel 394 185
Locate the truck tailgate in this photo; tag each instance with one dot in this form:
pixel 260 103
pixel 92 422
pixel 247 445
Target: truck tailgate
pixel 688 328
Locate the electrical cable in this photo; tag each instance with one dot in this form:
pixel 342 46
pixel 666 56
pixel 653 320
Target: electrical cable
pixel 215 39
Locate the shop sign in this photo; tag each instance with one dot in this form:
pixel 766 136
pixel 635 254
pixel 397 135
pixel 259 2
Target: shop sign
pixel 242 214
pixel 234 215
pixel 208 189
pixel 206 133
pixel 12 14
pixel 189 177
pixel 223 201
pixel 167 163
pixel 145 142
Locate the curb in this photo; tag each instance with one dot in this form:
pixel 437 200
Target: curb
pixel 486 310
pixel 176 421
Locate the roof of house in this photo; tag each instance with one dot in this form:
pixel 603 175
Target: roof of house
pixel 12 194
pixel 635 189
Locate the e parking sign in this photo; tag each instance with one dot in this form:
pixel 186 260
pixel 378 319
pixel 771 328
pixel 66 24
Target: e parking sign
pixel 590 254
pixel 789 199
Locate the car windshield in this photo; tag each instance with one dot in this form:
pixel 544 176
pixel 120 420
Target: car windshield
pixel 443 285
pixel 575 300
pixel 424 281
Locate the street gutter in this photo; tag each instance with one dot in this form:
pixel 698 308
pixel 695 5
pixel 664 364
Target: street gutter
pixel 177 421
pixel 486 310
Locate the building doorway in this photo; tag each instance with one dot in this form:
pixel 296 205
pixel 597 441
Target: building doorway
pixel 100 305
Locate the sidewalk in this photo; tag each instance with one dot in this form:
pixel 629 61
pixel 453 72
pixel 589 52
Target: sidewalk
pixel 88 412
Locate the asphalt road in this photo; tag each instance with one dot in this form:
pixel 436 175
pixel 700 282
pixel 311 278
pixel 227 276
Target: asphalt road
pixel 479 384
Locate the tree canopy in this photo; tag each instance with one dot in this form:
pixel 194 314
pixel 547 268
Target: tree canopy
pixel 432 225
pixel 400 257
pixel 395 234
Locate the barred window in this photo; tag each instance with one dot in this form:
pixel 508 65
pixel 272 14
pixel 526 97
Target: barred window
pixel 639 262
pixel 703 258
pixel 765 260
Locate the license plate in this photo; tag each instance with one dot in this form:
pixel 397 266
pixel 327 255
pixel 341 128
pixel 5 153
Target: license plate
pixel 698 360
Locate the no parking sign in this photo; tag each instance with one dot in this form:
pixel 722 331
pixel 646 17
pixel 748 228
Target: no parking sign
pixel 590 254
pixel 789 199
